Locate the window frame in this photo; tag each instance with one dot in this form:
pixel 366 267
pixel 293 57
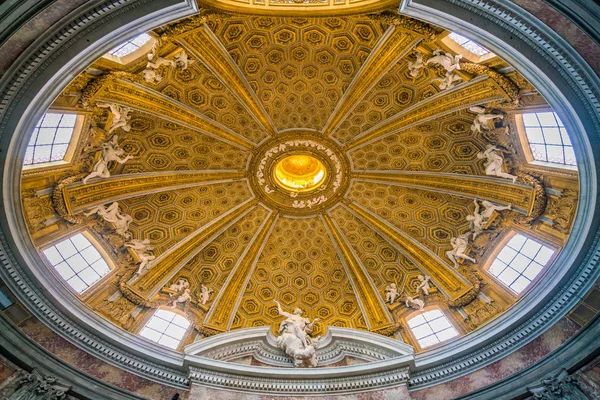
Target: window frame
pixel 467 54
pixel 425 309
pixel 149 317
pixel 526 147
pixel 134 55
pixel 85 293
pixel 68 158
pixel 500 246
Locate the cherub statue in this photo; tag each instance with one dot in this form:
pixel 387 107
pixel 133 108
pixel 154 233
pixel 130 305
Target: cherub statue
pixel 446 60
pixel 490 207
pixel 113 215
pixel 415 67
pixel 151 76
pixel 142 248
pixel 205 294
pixel 151 73
pixel 493 164
pixel 121 116
pixel 180 285
pixel 391 293
pixel 423 285
pixel 448 81
pixel 459 245
pixel 183 60
pixel 110 152
pixel 482 119
pixel 477 221
pixel 182 298
pixel 412 302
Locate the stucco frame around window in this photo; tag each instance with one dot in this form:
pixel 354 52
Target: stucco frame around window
pixel 559 73
pixel 552 66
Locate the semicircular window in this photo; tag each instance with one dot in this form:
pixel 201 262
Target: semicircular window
pixel 130 46
pixel 77 261
pixel 166 328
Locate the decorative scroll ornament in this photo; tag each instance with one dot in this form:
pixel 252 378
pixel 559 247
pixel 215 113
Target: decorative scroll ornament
pixel 58 199
pixel 561 387
pixel 506 84
pixel 35 386
pixel 472 294
pixel 540 199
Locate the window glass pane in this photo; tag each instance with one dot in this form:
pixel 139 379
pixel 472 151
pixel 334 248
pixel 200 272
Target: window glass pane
pixel 468 44
pixel 431 327
pixel 507 254
pixel 548 139
pixel 166 328
pixel 130 46
pixel 77 261
pixel 50 138
pixel 521 270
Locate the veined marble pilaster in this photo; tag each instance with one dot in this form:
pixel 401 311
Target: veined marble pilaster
pixel 223 309
pixel 477 91
pixel 477 187
pixel 79 197
pixel 171 261
pixel 392 47
pixel 375 313
pixel 139 97
pixel 448 280
pixel 203 44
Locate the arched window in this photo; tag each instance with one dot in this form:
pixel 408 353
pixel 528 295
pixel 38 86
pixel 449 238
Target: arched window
pixel 130 46
pixel 547 138
pixel 431 327
pixel 166 328
pixel 78 262
pixel 519 262
pixel 468 44
pixel 52 138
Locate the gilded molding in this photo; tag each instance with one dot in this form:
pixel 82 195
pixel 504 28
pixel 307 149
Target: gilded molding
pixel 170 262
pixel 474 92
pixel 506 84
pixel 392 47
pixel 203 44
pixel 375 313
pixel 226 303
pixel 391 18
pixel 476 187
pixel 77 197
pixel 444 276
pixel 147 100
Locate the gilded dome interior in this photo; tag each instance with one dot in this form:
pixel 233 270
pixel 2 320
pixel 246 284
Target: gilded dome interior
pixel 303 159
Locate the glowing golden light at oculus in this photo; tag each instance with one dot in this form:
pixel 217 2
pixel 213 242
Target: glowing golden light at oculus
pixel 299 173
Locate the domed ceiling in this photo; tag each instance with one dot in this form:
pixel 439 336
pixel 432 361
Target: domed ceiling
pixel 308 160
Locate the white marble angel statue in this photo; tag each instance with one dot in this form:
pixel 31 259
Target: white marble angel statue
pixel 182 298
pixel 448 81
pixel 412 302
pixel 446 60
pixel 294 340
pixel 415 67
pixel 151 73
pixel 459 245
pixel 143 250
pixel 480 218
pixel 120 114
pixel 180 285
pixel 423 285
pixel 113 215
pixel 110 152
pixel 482 118
pixel 205 294
pixel 391 293
pixel 490 207
pixel 183 60
pixel 493 164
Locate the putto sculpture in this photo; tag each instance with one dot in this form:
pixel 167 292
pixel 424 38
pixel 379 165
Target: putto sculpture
pixel 459 246
pixel 415 67
pixel 448 81
pixel 412 302
pixel 446 60
pixel 110 152
pixel 423 285
pixel 391 293
pixel 182 298
pixel 143 250
pixel 205 294
pixel 182 60
pixel 482 119
pixel 493 164
pixel 113 215
pixel 120 114
pixel 294 339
